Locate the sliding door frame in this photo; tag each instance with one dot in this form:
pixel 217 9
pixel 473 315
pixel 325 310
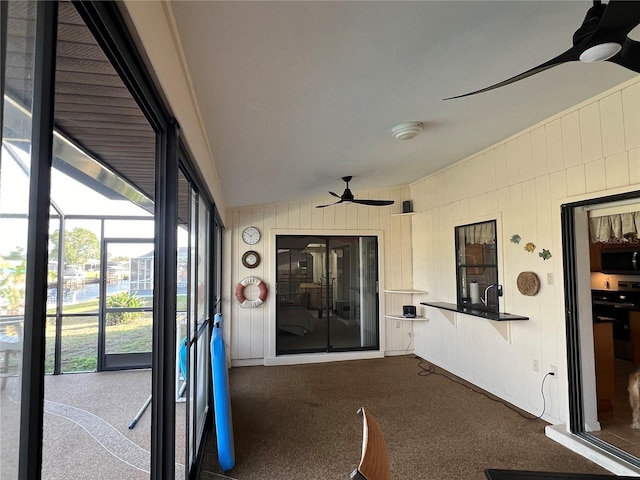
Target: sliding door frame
pixel 35 309
pixel 271 357
pixel 107 24
pixel 577 417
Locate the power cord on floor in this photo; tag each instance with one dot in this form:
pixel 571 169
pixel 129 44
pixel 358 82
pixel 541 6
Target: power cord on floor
pixel 410 343
pixel 431 370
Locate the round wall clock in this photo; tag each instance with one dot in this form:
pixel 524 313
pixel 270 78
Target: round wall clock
pixel 251 259
pixel 251 235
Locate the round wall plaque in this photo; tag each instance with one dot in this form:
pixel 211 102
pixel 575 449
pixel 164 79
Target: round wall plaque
pixel 528 283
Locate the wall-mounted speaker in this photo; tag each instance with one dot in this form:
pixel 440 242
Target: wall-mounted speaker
pixel 409 311
pixel 406 206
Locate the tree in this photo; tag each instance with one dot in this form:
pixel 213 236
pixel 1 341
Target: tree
pixel 17 254
pixel 13 268
pixel 80 245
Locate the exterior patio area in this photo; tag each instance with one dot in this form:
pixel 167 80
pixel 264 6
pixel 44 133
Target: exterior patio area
pixel 86 426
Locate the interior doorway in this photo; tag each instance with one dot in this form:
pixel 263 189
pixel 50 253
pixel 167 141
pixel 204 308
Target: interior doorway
pixel 602 303
pixel 327 294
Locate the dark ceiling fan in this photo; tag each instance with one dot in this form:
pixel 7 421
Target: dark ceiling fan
pixel 347 197
pixel 603 36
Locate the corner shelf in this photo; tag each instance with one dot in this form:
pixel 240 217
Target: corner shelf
pixel 405 292
pixel 400 317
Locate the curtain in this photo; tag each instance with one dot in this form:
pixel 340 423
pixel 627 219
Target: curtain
pixel 482 233
pixel 618 228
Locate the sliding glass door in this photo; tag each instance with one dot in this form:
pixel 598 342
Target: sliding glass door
pixel 327 294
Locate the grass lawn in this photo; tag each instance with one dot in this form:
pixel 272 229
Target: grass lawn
pixel 89 306
pixel 80 341
pixel 80 336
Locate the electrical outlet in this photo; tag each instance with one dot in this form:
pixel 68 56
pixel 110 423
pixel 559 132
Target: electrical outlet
pixel 397 323
pixel 536 365
pixel 553 369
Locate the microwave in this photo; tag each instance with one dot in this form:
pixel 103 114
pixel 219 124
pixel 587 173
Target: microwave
pixel 624 260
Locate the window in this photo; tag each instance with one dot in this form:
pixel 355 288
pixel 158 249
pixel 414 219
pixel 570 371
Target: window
pixel 477 266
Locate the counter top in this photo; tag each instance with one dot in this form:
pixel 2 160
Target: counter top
pixel 476 312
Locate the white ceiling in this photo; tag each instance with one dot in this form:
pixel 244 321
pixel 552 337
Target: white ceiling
pixel 295 95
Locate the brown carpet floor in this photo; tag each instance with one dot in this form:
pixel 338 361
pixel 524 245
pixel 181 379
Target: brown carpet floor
pixel 300 422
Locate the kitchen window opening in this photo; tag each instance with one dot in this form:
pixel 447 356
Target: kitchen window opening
pixel 477 266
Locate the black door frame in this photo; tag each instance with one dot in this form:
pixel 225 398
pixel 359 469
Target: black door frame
pixel 327 300
pixel 109 27
pixel 35 308
pixel 572 323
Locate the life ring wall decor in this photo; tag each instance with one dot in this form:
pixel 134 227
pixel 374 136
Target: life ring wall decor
pixel 243 301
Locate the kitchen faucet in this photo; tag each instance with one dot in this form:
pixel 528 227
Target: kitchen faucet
pixel 484 297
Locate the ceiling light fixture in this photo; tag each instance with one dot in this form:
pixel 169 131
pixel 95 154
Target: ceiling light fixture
pixel 407 130
pixel 600 53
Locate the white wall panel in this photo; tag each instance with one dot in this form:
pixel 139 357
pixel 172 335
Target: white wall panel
pixel 306 214
pixel 612 124
pixel 616 170
pixel 282 215
pixel 501 166
pixel 595 176
pixel 558 185
pixel 634 166
pixel 571 149
pixel 590 132
pixel 317 215
pixel 374 215
pixel 268 272
pixel 525 157
pixel 543 211
pixel 503 200
pixel 294 217
pixel 492 202
pixel 631 112
pixel 539 151
pixel 513 165
pixel 576 181
pixel 580 152
pixel 553 131
pixel 479 207
pixel 251 338
pixel 329 218
pixel 488 171
pixel 352 217
pixel 515 223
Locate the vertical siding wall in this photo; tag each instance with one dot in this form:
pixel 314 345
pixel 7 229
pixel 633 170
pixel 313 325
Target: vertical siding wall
pixel 588 151
pixel 250 333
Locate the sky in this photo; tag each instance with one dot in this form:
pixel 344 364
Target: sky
pixel 72 197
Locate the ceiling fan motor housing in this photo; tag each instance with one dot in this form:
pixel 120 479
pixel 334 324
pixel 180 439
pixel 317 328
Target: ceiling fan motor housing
pixel 347 197
pixel 603 36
